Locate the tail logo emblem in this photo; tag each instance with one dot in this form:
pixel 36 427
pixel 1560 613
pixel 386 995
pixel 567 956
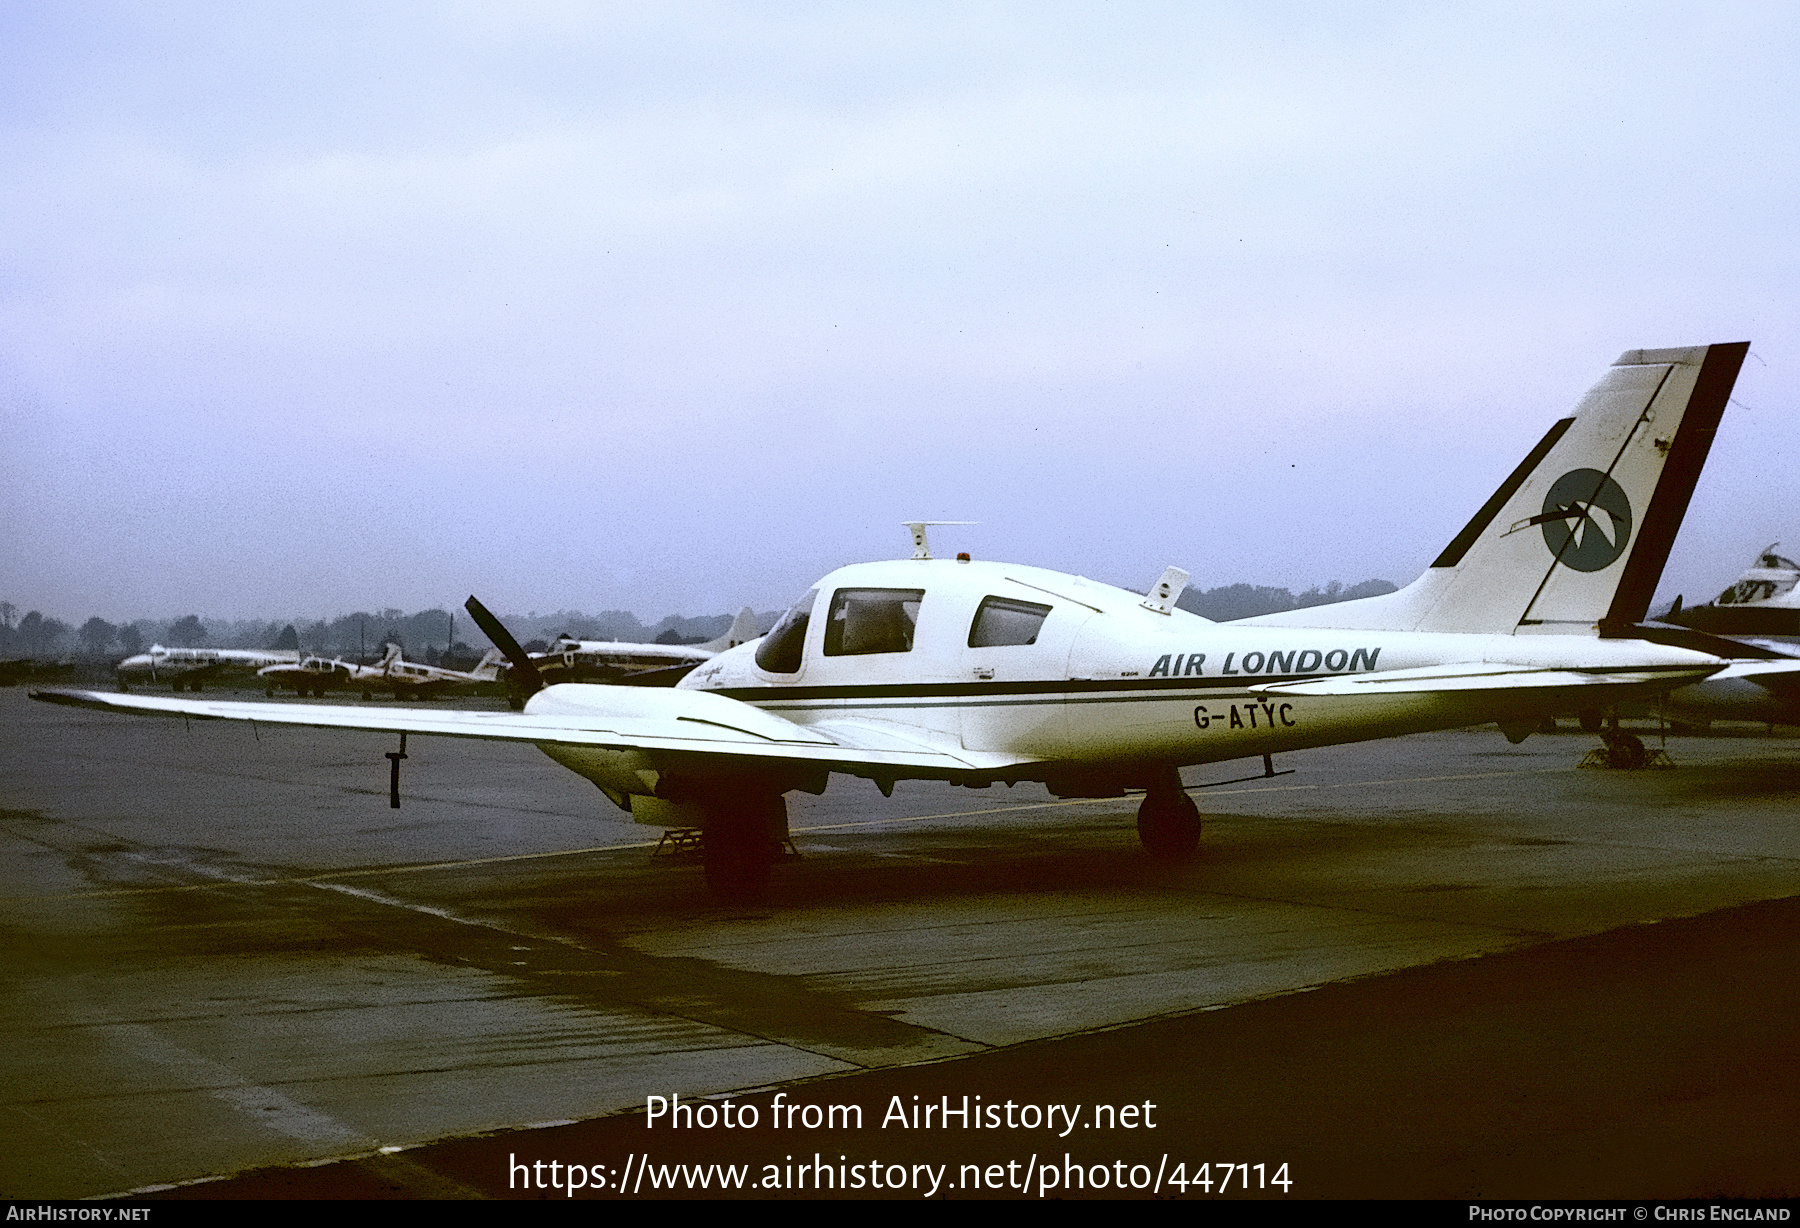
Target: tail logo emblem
pixel 1586 520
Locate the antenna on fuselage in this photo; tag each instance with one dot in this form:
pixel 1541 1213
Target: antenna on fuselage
pixel 921 547
pixel 1166 590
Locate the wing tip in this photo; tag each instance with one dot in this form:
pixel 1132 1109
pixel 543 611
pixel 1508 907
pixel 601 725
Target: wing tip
pixel 74 699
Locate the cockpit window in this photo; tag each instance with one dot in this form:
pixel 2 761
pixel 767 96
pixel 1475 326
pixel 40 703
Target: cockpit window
pixel 1002 621
pixel 869 620
pixel 779 653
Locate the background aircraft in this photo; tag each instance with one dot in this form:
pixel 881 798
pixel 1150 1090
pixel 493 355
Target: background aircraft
pixel 1765 600
pixel 1764 687
pixel 573 660
pixel 410 679
pixel 191 668
pixel 984 673
pixel 406 679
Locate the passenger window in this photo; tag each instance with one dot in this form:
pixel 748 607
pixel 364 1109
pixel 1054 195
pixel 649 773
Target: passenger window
pixel 870 620
pixel 1002 621
pixel 779 653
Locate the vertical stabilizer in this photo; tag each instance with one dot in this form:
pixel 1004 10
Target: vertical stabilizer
pixel 1576 537
pixel 743 630
pixel 488 668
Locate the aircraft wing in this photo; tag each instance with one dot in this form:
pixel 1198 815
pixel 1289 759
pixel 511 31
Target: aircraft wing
pixel 614 718
pixel 1779 677
pixel 1493 677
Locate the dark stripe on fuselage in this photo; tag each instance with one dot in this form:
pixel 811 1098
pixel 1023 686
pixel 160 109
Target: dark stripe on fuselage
pixel 1073 690
pixel 1058 688
pixel 959 702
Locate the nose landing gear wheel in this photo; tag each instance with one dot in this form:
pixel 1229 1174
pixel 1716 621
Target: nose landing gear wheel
pixel 1168 822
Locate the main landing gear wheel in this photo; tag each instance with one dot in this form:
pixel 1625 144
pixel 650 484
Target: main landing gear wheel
pixel 1624 750
pixel 1168 822
pixel 741 842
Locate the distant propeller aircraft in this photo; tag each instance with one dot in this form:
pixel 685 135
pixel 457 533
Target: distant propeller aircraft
pixel 193 668
pixel 406 679
pixel 576 660
pixel 980 673
pixel 1764 684
pixel 1765 600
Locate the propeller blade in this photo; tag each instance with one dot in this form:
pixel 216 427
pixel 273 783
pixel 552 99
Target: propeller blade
pixel 525 676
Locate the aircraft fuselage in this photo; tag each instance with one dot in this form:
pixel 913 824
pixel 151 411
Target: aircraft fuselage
pixel 1093 685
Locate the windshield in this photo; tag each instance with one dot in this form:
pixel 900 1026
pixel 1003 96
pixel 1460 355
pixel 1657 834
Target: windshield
pixel 779 652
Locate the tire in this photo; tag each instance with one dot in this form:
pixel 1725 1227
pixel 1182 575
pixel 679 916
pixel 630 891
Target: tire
pixel 1168 825
pixel 1625 750
pixel 742 840
pixel 1591 720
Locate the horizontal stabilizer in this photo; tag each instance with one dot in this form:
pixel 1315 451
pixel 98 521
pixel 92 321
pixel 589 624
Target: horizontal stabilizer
pixel 1778 677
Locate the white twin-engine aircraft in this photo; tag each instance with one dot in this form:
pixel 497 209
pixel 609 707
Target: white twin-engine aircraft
pixel 1765 600
pixel 192 668
pixel 406 679
pixel 573 660
pixel 977 672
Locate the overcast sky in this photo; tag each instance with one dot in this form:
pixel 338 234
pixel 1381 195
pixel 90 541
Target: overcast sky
pixel 671 308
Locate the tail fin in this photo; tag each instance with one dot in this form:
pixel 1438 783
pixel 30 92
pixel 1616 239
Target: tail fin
pixel 1576 537
pixel 743 630
pixel 488 668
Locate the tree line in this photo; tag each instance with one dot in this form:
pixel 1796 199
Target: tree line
pixel 1232 601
